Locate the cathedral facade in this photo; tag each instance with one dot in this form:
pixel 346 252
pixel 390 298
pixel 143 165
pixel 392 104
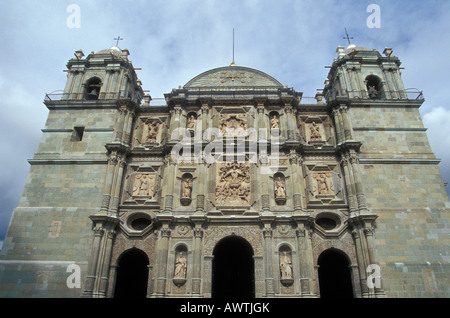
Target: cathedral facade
pixel 234 186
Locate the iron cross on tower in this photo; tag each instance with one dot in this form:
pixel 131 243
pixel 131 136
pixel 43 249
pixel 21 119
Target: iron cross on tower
pixel 118 39
pixel 347 37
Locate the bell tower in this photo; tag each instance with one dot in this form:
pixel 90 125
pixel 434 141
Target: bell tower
pixel 107 74
pixel 389 168
pixel 74 174
pixel 360 73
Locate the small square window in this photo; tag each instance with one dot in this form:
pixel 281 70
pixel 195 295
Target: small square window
pixel 77 134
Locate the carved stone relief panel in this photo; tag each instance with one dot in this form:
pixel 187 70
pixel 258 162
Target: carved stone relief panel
pixel 141 184
pixel 149 131
pixel 232 184
pixel 316 130
pixel 233 125
pixel 325 183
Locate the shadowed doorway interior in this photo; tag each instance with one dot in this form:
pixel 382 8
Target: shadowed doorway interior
pixel 233 270
pixel 334 275
pixel 132 275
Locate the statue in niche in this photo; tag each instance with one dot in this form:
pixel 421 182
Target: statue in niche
pixel 180 266
pixel 143 185
pixel 191 122
pixel 315 134
pixel 285 265
pixel 233 185
pixel 280 189
pixel 324 184
pixel 152 132
pixel 186 188
pixel 274 122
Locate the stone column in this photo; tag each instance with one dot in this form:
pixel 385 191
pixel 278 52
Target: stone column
pixel 79 86
pixel 297 181
pixel 360 197
pixel 119 125
pixel 174 123
pixel 349 183
pixel 290 123
pixel 360 257
pixel 128 124
pixel 348 130
pixel 68 90
pixel 93 261
pixel 170 179
pixel 307 286
pixel 96 282
pixel 161 261
pixel 112 162
pixel 369 231
pixel 106 261
pixel 117 185
pixel 197 261
pixel 390 90
pixel 205 120
pixel 124 85
pixel 150 281
pixel 268 255
pixel 338 122
pixel 107 83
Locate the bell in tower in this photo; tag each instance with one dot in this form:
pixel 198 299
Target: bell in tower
pixel 93 88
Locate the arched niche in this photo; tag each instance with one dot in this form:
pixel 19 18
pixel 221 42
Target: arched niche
pixel 93 87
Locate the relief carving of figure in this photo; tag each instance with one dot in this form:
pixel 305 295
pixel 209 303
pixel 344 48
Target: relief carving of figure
pixel 152 132
pixel 285 266
pixel 233 184
pixel 324 183
pixel 180 266
pixel 233 125
pixel 315 134
pixel 280 189
pixel 143 185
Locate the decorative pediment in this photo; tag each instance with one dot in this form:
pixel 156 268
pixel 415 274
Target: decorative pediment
pixel 232 76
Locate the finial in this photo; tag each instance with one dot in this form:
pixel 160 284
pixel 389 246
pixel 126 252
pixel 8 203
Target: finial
pixel 232 63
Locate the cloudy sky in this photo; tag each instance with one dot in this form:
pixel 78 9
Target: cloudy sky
pixel 175 40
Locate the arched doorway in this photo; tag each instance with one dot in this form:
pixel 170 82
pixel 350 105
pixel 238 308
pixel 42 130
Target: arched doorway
pixel 335 280
pixel 132 275
pixel 233 269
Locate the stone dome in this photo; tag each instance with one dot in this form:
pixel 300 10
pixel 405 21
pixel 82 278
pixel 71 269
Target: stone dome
pixel 116 51
pixel 353 48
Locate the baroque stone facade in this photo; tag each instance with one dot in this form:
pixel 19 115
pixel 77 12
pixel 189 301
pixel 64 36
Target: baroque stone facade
pixel 232 186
